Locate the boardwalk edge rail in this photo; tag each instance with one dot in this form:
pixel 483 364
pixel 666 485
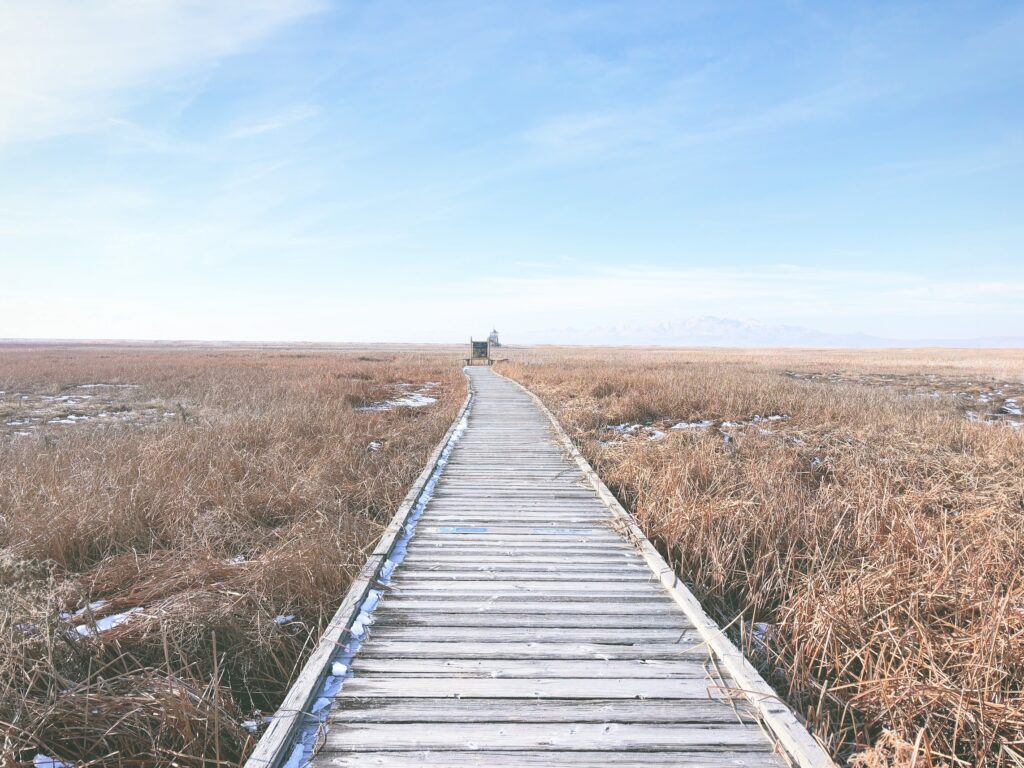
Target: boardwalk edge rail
pixel 774 714
pixel 275 743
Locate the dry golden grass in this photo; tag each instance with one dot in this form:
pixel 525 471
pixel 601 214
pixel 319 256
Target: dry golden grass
pixel 867 549
pixel 256 497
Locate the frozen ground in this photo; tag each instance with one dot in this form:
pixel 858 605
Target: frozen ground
pixel 617 434
pixel 25 413
pixel 980 399
pixel 405 396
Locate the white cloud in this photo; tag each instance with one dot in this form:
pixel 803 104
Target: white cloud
pixel 270 123
pixel 72 65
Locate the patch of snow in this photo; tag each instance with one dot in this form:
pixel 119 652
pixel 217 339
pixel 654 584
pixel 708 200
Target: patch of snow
pixel 761 631
pixel 693 424
pixel 628 429
pixel 374 446
pixel 106 623
pixel 755 420
pixel 282 619
pixel 45 761
pixel 417 399
pixel 92 607
pixel 656 435
pixel 298 755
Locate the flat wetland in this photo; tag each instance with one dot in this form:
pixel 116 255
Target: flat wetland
pixel 176 527
pixel 178 523
pixel 855 518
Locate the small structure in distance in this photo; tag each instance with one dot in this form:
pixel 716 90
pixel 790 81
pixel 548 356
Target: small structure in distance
pixel 493 338
pixel 480 351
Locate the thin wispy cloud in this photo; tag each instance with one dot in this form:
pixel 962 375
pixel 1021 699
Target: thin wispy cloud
pixel 270 123
pixel 69 66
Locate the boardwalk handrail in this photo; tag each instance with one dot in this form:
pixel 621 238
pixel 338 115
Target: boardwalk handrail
pixel 775 715
pixel 276 742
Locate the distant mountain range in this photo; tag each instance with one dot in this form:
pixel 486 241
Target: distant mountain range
pixel 709 331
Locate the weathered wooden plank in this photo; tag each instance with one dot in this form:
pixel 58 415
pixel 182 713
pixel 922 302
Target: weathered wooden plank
pixel 496 598
pixel 559 536
pixel 539 564
pixel 540 736
pixel 612 573
pixel 483 545
pixel 527 635
pixel 523 620
pixel 425 649
pixel 532 668
pixel 519 604
pixel 429 575
pixel 514 688
pixel 526 552
pixel 506 584
pixel 536 595
pixel 568 559
pixel 510 514
pixel 568 568
pixel 399 710
pixel 478 758
pixel 513 521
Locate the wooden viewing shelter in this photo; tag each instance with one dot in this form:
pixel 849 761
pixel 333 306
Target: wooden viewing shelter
pixel 480 351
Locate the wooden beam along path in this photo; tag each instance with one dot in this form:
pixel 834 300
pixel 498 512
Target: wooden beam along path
pixel 524 629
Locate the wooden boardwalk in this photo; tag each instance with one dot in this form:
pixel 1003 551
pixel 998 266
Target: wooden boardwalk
pixel 524 628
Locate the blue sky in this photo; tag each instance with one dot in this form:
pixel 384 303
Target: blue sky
pixel 408 171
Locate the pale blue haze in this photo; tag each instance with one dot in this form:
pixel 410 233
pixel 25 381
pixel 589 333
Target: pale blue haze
pixel 418 171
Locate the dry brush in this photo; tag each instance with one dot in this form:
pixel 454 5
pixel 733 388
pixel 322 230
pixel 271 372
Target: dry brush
pixel 162 579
